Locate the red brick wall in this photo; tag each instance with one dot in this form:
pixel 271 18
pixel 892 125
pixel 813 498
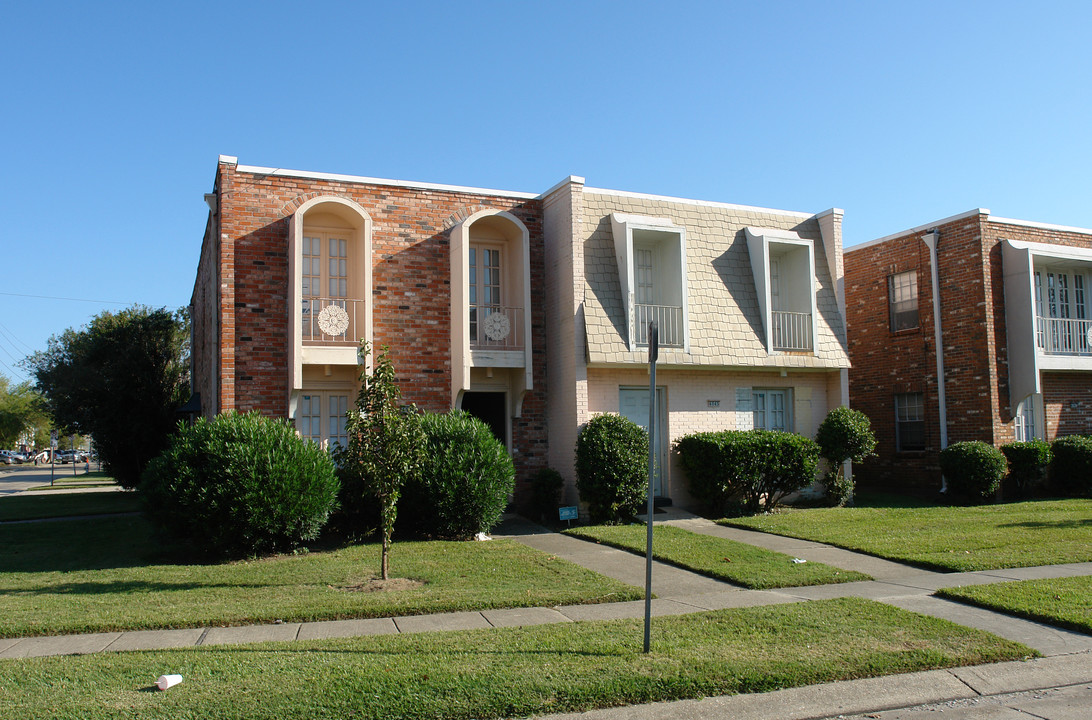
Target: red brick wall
pixel 1067 404
pixel 411 291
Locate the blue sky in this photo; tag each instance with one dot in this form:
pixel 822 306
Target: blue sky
pixel 899 113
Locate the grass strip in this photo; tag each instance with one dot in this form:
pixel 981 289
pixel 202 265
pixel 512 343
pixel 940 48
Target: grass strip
pixel 720 558
pixel 988 537
pixel 1065 602
pixel 508 672
pixel 36 507
pixel 54 581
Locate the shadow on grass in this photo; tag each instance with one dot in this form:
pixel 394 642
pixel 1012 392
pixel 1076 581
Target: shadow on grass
pixel 122 587
pixel 1070 524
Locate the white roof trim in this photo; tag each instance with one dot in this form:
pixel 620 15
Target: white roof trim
pixel 776 234
pixel 1050 250
pixel 1041 226
pixel 919 228
pixel 644 220
pixel 703 203
pixel 281 172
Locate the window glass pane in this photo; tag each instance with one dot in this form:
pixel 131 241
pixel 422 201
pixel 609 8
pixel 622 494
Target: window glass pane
pixel 902 292
pixel 909 422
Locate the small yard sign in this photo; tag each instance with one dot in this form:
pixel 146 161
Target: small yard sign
pixel 568 513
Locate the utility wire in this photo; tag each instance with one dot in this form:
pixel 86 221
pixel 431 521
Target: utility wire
pixel 53 297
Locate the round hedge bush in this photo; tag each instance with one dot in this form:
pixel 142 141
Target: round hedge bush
pixel 974 469
pixel 1028 462
pixel 240 485
pixel 464 484
pixel 612 467
pixel 843 435
pixel 1071 468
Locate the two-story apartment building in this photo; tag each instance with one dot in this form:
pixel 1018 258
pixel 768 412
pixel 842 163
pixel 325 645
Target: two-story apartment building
pixel 1015 338
pixel 528 310
pixel 297 266
pixel 747 302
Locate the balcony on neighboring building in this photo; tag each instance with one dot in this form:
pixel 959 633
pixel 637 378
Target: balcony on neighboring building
pixel 1064 336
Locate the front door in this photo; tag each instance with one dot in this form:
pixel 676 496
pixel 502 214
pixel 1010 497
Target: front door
pixel 634 405
pixel 490 408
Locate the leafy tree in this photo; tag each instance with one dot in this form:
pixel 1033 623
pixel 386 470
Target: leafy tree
pixel 120 380
pixel 844 435
pixel 20 412
pixel 386 443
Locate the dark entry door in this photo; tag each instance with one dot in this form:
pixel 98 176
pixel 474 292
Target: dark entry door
pixel 489 407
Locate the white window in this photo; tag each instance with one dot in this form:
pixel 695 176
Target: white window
pixel 325 275
pixel 484 288
pixel 909 422
pixel 643 271
pixel 772 409
pixel 902 297
pixel 321 417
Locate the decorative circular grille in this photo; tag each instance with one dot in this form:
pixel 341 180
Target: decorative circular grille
pixel 496 326
pixel 333 320
pixel 1088 336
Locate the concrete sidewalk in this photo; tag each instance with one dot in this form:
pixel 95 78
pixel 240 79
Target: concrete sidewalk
pixel 1060 679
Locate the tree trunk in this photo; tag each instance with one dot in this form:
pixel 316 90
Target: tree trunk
pixel 385 565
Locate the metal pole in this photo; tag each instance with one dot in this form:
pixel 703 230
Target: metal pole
pixel 653 351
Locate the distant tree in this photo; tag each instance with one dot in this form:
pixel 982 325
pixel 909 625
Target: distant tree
pixel 386 443
pixel 20 411
pixel 120 380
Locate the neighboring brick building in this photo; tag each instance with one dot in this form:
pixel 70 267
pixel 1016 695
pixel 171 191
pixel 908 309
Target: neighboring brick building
pixel 1017 348
pixel 527 310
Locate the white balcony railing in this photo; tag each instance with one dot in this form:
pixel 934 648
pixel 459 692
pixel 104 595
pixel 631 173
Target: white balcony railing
pixel 791 330
pixel 1063 336
pixel 331 321
pixel 669 323
pixel 496 327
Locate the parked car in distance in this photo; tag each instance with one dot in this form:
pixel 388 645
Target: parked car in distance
pixel 9 457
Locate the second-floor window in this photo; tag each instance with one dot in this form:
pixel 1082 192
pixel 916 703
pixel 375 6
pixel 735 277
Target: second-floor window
pixel 484 281
pixel 902 297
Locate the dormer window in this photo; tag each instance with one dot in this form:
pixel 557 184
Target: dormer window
pixel 783 265
pixel 651 254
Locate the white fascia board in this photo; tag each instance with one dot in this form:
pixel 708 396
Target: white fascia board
pixel 701 203
pixel 919 228
pixel 1041 226
pixel 336 177
pixel 1050 250
pixel 780 235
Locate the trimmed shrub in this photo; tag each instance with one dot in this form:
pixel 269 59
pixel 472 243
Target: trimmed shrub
pixel 843 435
pixel 240 485
pixel 1071 469
pixel 973 469
pixel 755 468
pixel 466 478
pixel 545 499
pixel 612 467
pixel 1028 462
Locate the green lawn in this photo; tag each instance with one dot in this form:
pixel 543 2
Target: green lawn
pixel 1066 602
pixel 508 672
pixel 723 559
pixel 30 507
pixel 985 537
pixel 102 574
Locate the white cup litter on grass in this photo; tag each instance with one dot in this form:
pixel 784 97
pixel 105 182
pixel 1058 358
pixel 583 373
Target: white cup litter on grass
pixel 166 681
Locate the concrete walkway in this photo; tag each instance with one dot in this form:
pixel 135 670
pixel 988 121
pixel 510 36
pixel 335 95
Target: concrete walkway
pixel 1049 687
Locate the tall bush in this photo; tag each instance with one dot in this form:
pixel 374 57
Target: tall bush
pixel 843 435
pixel 974 469
pixel 466 478
pixel 1071 470
pixel 239 485
pixel 1028 462
pixel 755 469
pixel 612 467
pixel 546 485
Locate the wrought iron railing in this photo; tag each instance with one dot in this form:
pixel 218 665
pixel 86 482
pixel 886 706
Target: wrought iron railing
pixel 791 330
pixel 496 327
pixel 1063 336
pixel 669 324
pixel 331 321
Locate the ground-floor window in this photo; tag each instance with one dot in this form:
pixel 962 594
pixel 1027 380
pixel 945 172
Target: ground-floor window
pixel 321 417
pixel 909 422
pixel 772 409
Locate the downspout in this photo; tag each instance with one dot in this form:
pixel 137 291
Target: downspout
pixel 931 240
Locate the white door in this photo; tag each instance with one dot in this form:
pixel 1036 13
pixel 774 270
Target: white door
pixel 634 406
